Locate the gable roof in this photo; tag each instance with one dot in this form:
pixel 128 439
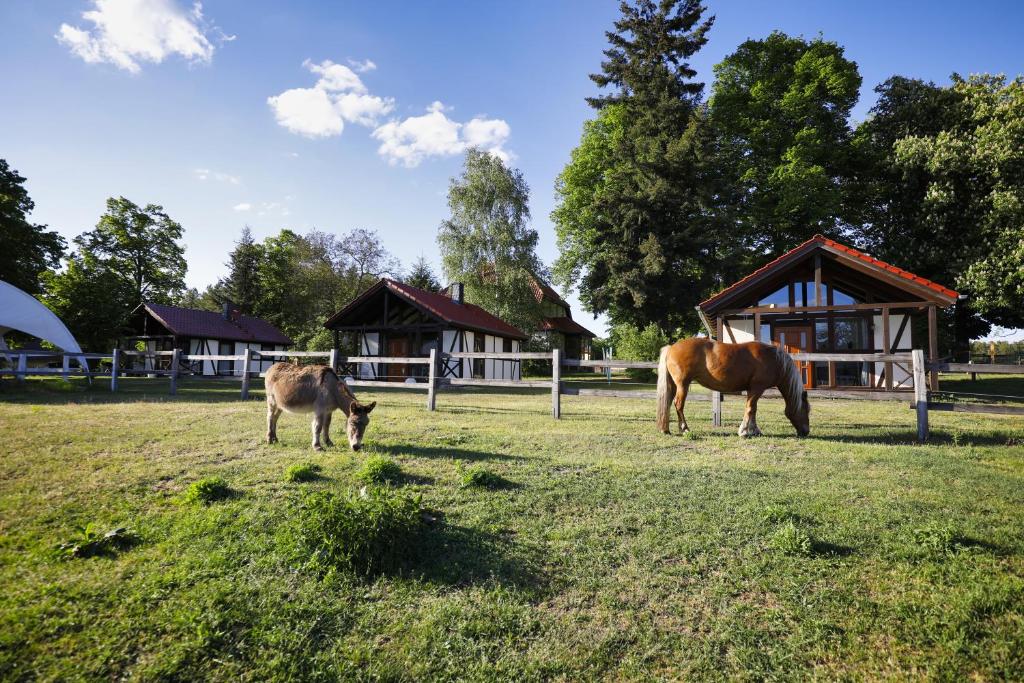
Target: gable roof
pixel 545 292
pixel 566 326
pixel 193 322
pixel 464 315
pixel 894 275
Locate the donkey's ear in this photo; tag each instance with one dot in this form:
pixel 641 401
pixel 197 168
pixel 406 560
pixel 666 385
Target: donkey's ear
pixel 369 406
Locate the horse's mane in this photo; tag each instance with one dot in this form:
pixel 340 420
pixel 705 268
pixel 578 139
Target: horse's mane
pixel 791 382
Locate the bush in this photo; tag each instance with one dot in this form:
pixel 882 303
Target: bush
pixel 379 469
pixel 632 343
pixel 368 533
pixel 792 540
pixel 479 477
pixel 208 490
pixel 89 542
pixel 936 540
pixel 301 472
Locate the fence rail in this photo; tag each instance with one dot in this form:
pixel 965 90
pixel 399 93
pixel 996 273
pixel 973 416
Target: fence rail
pixel 919 398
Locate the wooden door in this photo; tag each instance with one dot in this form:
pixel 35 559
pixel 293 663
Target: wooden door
pixel 397 347
pixel 797 339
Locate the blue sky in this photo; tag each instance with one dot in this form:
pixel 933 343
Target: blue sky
pixel 183 117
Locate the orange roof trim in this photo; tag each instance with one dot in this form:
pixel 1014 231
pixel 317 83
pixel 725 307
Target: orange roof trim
pixel 821 240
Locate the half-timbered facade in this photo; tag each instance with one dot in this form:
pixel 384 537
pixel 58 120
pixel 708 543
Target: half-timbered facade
pixel 826 297
pixel 393 319
pixel 558 327
pixel 159 327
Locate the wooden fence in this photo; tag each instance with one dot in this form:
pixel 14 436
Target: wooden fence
pixel 921 400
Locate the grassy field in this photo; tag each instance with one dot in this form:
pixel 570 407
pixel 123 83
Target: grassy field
pixel 609 551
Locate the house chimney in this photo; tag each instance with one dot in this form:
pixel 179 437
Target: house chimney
pixel 457 292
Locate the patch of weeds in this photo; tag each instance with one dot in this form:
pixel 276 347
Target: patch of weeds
pixel 937 540
pixel 300 472
pixel 207 490
pixel 480 477
pixel 367 533
pixel 792 540
pixel 776 514
pixel 379 469
pixel 690 435
pixel 89 542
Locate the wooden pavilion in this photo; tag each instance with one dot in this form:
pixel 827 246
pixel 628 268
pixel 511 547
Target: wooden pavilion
pixel 826 297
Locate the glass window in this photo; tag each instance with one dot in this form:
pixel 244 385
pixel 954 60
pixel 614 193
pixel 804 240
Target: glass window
pixel 766 333
pixel 506 345
pixel 225 367
pixel 478 363
pixel 841 298
pixel 851 374
pixel 820 335
pixel 851 334
pixel 779 297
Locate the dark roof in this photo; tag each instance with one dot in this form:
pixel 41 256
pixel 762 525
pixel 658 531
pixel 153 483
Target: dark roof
pixel 464 315
pixel 884 271
pixel 565 325
pixel 544 291
pixel 193 322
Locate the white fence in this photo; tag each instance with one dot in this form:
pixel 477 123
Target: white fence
pixel 433 382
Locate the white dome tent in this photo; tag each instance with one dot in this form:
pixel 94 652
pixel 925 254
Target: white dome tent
pixel 22 312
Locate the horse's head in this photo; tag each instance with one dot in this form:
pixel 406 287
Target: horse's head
pixel 799 413
pixel 358 420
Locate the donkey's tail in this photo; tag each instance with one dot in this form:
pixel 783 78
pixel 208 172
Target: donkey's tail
pixel 666 390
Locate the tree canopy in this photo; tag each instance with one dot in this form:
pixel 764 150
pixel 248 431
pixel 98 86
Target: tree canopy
pixel 28 249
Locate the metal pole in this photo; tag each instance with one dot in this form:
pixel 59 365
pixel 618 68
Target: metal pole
pixel 334 359
pixel 22 366
pixel 920 393
pixel 114 368
pixel 246 356
pixel 432 381
pixel 608 368
pixel 65 366
pixel 716 409
pixel 556 384
pixel 174 371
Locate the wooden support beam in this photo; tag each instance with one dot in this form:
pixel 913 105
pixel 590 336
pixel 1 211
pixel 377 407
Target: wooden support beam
pixel 246 361
pixel 818 301
pixel 933 344
pixel 175 356
pixel 432 381
pixel 826 308
pixel 757 327
pixel 886 348
pixel 719 329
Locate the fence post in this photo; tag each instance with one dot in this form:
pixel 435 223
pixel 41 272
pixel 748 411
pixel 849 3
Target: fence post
pixel 432 381
pixel 608 368
pixel 716 409
pixel 334 360
pixel 556 384
pixel 65 366
pixel 174 371
pixel 920 393
pixel 22 366
pixel 246 357
pixel 114 368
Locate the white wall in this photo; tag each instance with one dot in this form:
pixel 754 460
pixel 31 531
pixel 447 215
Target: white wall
pixel 895 320
pixel 743 330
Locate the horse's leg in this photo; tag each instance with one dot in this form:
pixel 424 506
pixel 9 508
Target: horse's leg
pixel 681 389
pixel 749 426
pixel 318 425
pixel 327 429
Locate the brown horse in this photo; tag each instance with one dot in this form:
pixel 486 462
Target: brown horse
pixel 752 367
pixel 314 389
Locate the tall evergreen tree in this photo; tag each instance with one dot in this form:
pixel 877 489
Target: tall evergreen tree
pixel 633 220
pixel 27 249
pixel 241 285
pixel 421 275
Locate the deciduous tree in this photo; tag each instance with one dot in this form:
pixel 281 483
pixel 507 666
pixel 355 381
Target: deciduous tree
pixel 26 249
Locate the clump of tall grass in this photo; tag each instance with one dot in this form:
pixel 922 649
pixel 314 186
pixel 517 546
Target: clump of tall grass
pixel 207 490
pixel 379 469
pixel 301 472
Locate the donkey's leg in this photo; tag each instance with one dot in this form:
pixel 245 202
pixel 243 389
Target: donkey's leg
pixel 749 426
pixel 318 425
pixel 273 412
pixel 327 429
pixel 681 389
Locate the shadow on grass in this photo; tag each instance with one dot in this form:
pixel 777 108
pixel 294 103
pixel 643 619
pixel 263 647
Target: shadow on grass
pixel 441 452
pixel 459 556
pixel 825 549
pixel 909 438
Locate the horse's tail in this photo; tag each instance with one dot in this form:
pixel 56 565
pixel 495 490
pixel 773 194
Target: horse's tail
pixel 666 390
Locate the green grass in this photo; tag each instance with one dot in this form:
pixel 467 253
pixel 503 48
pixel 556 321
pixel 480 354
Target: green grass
pixel 303 472
pixel 620 553
pixel 380 469
pixel 207 490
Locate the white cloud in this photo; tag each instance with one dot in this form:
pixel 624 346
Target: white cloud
pixel 335 77
pixel 307 111
pixel 363 109
pixel 244 206
pixel 207 174
pixel 340 96
pixel 363 66
pixel 127 32
pixel 410 141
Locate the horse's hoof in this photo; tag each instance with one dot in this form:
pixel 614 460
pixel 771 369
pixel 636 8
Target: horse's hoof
pixel 329 444
pixel 317 447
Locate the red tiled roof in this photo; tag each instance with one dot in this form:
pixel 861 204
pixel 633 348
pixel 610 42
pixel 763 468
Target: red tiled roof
pixel 565 325
pixel 849 252
pixel 545 291
pixel 192 322
pixel 442 306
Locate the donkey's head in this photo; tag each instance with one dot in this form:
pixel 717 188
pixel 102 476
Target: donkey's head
pixel 799 413
pixel 358 420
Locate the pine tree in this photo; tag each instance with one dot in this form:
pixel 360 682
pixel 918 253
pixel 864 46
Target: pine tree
pixel 421 275
pixel 241 285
